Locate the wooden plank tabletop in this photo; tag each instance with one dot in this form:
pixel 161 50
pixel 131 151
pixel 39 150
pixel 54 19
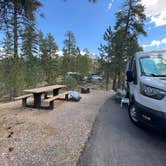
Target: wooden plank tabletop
pixel 44 89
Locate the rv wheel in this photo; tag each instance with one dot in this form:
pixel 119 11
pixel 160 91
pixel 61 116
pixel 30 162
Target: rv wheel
pixel 133 113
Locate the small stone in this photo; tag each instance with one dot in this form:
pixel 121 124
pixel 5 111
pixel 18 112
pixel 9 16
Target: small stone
pixel 11 149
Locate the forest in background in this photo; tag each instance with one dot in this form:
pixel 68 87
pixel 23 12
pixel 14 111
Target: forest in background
pixel 30 58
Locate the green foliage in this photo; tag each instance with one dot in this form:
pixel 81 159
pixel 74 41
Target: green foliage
pixel 49 58
pixel 34 73
pixel 15 15
pixel 12 76
pixel 30 71
pixel 7 44
pixel 38 63
pixel 69 52
pixel 30 59
pixel 29 41
pixel 73 60
pixel 131 18
pixel 70 82
pixel 129 25
pixel 83 62
pixel 106 55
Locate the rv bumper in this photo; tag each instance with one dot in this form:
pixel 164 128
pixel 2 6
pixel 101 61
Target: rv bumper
pixel 152 118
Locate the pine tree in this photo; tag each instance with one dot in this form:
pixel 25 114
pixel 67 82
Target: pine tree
pixel 14 15
pixel 129 25
pixel 7 44
pixel 83 62
pixel 106 54
pixel 29 42
pixel 49 58
pixel 70 52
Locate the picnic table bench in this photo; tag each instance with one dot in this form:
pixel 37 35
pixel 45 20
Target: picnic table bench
pixel 51 100
pixel 24 98
pixel 37 95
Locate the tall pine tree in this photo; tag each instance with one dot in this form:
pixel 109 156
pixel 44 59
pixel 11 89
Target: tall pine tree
pixel 129 25
pixel 70 52
pixel 106 54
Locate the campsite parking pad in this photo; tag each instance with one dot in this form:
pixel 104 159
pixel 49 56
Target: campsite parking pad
pixel 115 141
pixel 41 137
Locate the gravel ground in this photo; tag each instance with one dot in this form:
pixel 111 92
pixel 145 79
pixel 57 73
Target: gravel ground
pixel 40 137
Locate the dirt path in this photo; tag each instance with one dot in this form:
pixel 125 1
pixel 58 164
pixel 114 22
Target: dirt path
pixel 39 137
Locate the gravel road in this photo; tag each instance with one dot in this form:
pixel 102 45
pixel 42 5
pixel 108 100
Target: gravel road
pixel 30 137
pixel 115 141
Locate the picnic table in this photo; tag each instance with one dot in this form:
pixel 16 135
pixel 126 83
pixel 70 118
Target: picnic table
pixel 37 93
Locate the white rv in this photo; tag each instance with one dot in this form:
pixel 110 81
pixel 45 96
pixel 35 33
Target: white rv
pixel 146 88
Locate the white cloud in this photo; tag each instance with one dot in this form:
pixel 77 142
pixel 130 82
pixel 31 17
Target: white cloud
pixel 163 41
pixel 156 43
pixel 156 11
pixel 110 4
pixel 82 53
pixel 60 53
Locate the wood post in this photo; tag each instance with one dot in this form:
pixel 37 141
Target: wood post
pixel 24 102
pixel 55 92
pixel 51 106
pixel 67 97
pixel 37 100
pixel 45 96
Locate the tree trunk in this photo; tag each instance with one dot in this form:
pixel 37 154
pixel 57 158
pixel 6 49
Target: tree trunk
pixel 15 28
pixel 119 79
pixel 114 82
pixel 107 75
pixel 107 81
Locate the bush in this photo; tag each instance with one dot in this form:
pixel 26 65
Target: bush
pixel 71 83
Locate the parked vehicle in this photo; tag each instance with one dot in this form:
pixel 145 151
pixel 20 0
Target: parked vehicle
pixel 75 75
pixel 94 77
pixel 146 88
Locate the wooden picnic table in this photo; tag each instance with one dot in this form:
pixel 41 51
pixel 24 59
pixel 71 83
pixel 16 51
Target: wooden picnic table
pixel 37 93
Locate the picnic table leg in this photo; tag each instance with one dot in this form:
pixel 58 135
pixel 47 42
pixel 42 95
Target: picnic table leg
pixel 24 102
pixel 37 100
pixel 45 96
pixel 67 97
pixel 55 92
pixel 51 106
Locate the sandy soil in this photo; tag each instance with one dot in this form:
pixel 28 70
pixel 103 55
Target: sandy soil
pixel 40 137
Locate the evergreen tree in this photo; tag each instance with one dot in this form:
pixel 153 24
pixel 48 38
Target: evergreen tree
pixel 70 52
pixel 129 25
pixel 15 14
pixel 29 42
pixel 83 62
pixel 33 70
pixel 7 44
pixel 49 58
pixel 106 54
pixel 52 49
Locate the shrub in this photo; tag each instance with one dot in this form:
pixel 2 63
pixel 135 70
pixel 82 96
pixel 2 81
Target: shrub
pixel 71 83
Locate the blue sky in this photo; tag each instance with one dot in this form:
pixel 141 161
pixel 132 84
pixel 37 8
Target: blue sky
pixel 89 21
